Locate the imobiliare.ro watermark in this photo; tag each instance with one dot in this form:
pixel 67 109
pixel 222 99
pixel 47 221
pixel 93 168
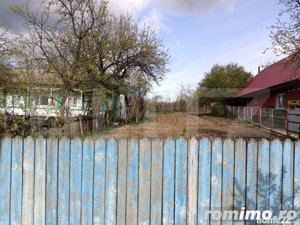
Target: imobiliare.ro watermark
pixel 260 216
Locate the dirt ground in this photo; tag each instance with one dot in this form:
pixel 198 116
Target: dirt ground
pixel 183 124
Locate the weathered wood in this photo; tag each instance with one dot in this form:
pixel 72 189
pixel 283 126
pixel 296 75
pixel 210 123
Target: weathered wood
pixel 275 176
pixel 5 176
pixel 287 187
pixel 240 176
pixel 297 181
pixel 156 182
pixel 111 182
pixel 132 183
pixel 216 178
pixel 193 146
pixel 168 182
pixel 122 178
pixel 87 182
pixel 40 181
pixel 144 182
pixel 263 167
pixel 16 181
pixel 181 182
pixel 75 181
pixel 204 180
pixel 28 181
pixel 63 181
pixel 228 178
pixel 251 176
pixel 51 181
pixel 99 182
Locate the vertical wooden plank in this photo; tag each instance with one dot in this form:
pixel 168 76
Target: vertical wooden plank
pixel 181 182
pixel 28 181
pixel 193 146
pixel 75 181
pixel 287 188
pixel 40 181
pixel 99 182
pixel 5 176
pixel 52 181
pixel 63 181
pixel 240 176
pixel 111 182
pixel 204 180
pixel 156 182
pixel 251 176
pixel 168 182
pixel 122 173
pixel 16 181
pixel 297 182
pixel 275 176
pixel 132 183
pixel 216 177
pixel 228 177
pixel 144 182
pixel 87 182
pixel 263 192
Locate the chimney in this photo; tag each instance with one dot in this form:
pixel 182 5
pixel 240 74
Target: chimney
pixel 258 69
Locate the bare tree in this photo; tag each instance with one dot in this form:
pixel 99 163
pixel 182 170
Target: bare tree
pixel 285 34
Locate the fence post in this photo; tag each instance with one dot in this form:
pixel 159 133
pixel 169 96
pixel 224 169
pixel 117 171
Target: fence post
pixel 244 113
pixel 238 115
pixel 272 118
pixel 251 114
pixel 259 116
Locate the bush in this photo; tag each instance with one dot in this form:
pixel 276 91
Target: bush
pixel 218 109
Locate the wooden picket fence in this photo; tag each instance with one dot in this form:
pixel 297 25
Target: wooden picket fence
pixel 51 181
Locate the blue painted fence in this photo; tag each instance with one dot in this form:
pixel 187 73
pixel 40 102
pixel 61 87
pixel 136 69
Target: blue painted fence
pixel 51 181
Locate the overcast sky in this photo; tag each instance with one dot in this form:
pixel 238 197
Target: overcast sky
pixel 198 33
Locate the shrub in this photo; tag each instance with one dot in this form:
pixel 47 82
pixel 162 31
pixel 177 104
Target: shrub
pixel 218 109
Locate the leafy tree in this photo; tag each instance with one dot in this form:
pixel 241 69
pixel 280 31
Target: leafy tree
pixel 222 82
pixel 85 46
pixel 285 34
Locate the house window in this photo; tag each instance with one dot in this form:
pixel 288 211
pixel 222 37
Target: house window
pixel 280 101
pixel 73 102
pixel 43 100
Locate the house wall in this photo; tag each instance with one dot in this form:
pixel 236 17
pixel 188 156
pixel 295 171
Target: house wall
pixel 268 98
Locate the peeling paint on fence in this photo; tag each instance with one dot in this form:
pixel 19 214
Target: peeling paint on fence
pixel 63 181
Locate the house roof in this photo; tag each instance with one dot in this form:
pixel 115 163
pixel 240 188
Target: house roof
pixel 274 75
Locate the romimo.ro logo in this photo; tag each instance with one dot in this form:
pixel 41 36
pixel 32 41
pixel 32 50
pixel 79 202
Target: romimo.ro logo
pixel 260 216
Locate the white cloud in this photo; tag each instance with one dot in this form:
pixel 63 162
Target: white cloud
pixel 134 7
pixel 193 6
pixel 156 20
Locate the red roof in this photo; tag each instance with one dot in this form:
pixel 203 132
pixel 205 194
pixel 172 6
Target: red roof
pixel 276 74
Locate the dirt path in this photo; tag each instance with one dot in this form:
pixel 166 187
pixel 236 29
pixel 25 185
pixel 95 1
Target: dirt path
pixel 183 124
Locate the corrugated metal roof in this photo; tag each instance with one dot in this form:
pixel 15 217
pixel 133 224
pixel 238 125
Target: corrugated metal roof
pixel 276 74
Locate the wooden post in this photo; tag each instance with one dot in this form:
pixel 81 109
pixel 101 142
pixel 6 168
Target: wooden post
pixel 244 113
pixel 272 118
pixel 238 115
pixel 251 114
pixel 259 116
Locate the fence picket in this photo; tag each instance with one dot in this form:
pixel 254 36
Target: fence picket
pixel 144 182
pixel 87 182
pixel 40 181
pixel 111 182
pixel 99 182
pixel 122 177
pixel 156 182
pixel 204 180
pixel 28 181
pixel 132 183
pixel 169 182
pixel 16 181
pixel 75 181
pixel 63 181
pixel 297 181
pixel 51 181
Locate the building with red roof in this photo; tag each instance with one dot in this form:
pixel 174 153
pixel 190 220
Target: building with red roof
pixel 277 87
